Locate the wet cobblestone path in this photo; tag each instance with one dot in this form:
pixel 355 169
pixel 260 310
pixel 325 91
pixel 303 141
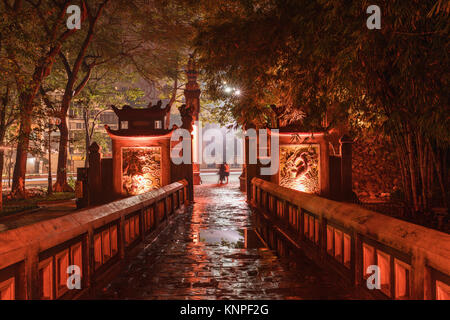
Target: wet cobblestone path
pixel 212 252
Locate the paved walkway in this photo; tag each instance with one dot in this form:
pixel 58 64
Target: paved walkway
pixel 212 252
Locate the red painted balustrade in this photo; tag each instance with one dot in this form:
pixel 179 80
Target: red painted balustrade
pixel 413 261
pixel 34 259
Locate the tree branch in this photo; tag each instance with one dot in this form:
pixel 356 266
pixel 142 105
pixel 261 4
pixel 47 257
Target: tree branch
pixel 66 64
pixel 83 82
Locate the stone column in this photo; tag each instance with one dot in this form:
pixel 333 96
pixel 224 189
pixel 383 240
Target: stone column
pixel 185 170
pixel 81 188
pixel 346 168
pixel 95 175
pixel 192 98
pixel 251 170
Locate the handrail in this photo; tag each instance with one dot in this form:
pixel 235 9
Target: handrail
pixel 23 248
pixel 425 246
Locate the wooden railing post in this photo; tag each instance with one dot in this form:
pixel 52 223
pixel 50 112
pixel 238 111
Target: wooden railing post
pixel 357 255
pixel 301 223
pixel 89 259
pixel 155 214
pixel 323 237
pixel 418 268
pixel 32 272
pixel 122 243
pixel 142 223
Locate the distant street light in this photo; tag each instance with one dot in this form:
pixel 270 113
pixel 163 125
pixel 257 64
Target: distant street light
pixel 229 90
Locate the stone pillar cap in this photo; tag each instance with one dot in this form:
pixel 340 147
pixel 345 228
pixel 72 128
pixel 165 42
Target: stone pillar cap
pixel 94 148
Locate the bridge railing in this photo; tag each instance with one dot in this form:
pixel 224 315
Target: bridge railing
pixel 413 261
pixel 34 259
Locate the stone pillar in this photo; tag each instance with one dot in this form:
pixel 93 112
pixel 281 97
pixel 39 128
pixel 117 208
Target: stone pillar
pixel 183 170
pixel 242 179
pixel 346 168
pixel 82 188
pixel 196 158
pixel 95 175
pixel 251 170
pixel 192 98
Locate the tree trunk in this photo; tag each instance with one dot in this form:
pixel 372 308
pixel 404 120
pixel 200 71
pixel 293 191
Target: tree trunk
pixel 437 165
pixel 400 147
pixel 412 170
pixel 87 139
pixel 404 175
pixel 430 176
pixel 3 128
pixel 2 157
pixel 20 168
pixel 61 184
pixel 10 155
pixel 422 156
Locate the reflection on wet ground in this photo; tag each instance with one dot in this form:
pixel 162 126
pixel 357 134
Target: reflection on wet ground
pixel 212 252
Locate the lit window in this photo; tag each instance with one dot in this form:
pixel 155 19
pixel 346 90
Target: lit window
pixel 46 279
pixel 401 279
pixel 280 208
pixel 76 252
pixel 124 124
pixel 330 240
pixel 98 250
pixel 305 226
pixel 132 229
pixel 158 124
pixel 62 263
pixel 106 248
pixel 136 226
pixel 291 214
pixel 338 245
pixel 127 231
pixel 316 234
pixel 113 240
pixel 347 250
pixel 146 219
pixel 384 263
pixel 368 258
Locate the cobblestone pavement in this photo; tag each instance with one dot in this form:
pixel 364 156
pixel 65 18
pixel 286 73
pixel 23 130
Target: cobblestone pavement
pixel 212 252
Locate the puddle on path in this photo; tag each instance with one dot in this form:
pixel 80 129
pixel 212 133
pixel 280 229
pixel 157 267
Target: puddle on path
pixel 237 239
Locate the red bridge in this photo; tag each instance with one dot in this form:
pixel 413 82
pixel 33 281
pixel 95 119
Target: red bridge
pixel 281 244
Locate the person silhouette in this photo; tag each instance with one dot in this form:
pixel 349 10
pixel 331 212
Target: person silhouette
pixel 227 170
pixel 221 173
